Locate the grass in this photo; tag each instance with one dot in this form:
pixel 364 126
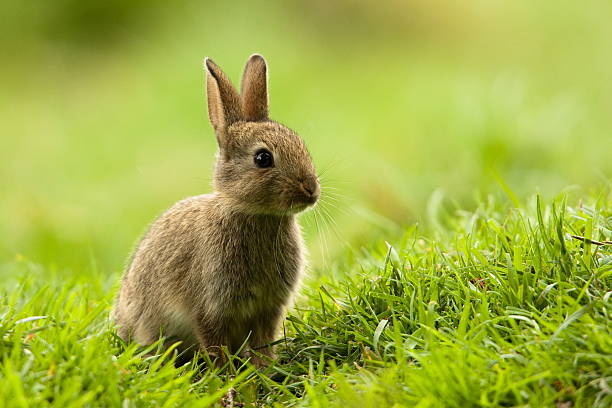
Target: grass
pixel 506 305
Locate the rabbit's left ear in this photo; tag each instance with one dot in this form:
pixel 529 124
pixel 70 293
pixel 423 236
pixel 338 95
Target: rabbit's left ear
pixel 254 89
pixel 223 99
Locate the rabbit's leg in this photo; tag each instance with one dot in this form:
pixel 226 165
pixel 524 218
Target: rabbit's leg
pixel 264 333
pixel 212 337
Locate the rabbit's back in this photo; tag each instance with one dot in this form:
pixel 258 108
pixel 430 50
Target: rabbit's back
pixel 151 289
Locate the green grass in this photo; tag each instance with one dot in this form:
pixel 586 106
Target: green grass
pixel 506 305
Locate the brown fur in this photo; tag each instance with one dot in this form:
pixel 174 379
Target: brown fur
pixel 217 269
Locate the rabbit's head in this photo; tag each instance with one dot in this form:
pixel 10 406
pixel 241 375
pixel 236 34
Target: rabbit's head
pixel 262 166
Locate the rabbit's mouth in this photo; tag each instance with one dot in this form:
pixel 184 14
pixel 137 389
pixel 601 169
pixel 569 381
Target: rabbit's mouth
pixel 305 202
pixel 305 193
pixel 299 200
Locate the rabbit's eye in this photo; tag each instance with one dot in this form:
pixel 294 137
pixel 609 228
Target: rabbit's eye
pixel 263 158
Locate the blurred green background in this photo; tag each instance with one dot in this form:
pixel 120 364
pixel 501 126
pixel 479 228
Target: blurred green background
pixel 103 120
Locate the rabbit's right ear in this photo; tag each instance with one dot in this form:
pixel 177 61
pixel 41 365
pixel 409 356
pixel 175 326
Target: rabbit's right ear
pixel 223 100
pixel 254 89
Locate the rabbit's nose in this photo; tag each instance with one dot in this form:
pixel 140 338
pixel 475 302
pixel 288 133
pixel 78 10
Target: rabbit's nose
pixel 310 187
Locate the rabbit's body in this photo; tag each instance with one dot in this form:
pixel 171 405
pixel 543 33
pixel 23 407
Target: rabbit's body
pixel 218 269
pixel 251 282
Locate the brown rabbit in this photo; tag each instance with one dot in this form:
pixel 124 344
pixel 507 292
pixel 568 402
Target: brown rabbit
pixel 218 269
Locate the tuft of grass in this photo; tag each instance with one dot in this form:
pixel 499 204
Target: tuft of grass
pixel 506 305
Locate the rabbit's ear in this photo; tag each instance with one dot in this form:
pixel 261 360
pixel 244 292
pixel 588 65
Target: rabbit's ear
pixel 254 89
pixel 223 99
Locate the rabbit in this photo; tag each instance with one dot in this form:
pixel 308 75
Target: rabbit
pixel 219 270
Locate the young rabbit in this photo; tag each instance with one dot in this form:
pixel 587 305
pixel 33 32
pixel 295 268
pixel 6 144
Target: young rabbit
pixel 218 269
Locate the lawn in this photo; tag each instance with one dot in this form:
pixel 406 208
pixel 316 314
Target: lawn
pixel 506 305
pixel 460 254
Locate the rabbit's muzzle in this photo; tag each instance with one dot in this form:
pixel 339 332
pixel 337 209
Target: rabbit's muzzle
pixel 309 190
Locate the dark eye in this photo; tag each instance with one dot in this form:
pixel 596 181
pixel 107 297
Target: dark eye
pixel 263 158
